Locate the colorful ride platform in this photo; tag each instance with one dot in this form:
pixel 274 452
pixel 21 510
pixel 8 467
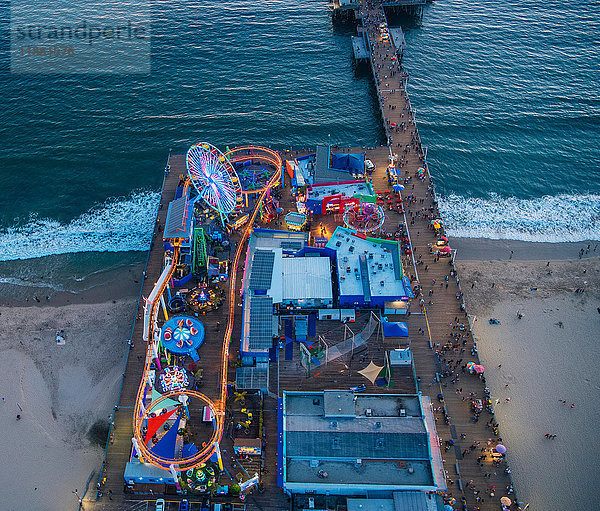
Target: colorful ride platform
pixel 183 335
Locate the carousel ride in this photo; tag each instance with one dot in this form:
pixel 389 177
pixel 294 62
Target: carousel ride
pixel 364 218
pixel 203 299
pixel 167 394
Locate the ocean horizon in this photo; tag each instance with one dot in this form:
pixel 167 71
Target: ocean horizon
pixel 505 97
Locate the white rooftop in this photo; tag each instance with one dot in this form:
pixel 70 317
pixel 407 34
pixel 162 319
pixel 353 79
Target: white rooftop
pixel 318 192
pixel 306 278
pixel 382 265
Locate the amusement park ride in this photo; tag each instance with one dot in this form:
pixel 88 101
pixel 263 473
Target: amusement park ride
pixel 213 175
pixel 234 183
pixel 215 179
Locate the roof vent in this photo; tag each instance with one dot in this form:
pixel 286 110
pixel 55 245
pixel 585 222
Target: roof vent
pixel 334 424
pixel 378 425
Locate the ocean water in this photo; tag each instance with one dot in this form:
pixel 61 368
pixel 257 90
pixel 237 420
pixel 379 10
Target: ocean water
pixel 505 93
pixel 507 103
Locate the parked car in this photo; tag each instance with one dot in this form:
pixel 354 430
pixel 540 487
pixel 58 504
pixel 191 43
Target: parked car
pixel 184 505
pixel 369 166
pixel 160 505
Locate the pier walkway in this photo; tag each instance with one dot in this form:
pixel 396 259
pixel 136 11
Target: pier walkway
pixel 440 334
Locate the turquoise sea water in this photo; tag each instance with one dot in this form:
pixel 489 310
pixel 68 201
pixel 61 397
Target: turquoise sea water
pixel 505 92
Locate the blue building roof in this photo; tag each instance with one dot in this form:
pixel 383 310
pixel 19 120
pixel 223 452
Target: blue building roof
pixel 344 442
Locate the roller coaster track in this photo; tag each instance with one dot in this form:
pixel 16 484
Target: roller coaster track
pixel 217 406
pixel 248 153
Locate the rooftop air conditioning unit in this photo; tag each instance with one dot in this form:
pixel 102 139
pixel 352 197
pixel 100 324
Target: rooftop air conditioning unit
pixel 369 412
pixel 402 412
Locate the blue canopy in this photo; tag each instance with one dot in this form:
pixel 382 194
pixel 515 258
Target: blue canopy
pixel 391 329
pixel 165 448
pixel 350 162
pixel 188 450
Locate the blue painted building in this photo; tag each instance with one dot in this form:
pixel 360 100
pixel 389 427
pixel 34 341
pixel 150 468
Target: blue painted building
pixel 282 272
pixel 343 443
pixel 369 270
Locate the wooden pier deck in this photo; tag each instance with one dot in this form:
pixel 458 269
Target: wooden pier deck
pixel 431 327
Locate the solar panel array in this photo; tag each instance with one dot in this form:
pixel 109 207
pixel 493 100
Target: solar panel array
pixel 262 269
pixel 261 322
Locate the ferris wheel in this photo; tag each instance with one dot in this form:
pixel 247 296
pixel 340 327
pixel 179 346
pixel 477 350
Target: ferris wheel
pixel 214 178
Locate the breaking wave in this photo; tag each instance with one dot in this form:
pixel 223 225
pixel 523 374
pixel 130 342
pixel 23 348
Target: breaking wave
pixel 554 219
pixel 118 225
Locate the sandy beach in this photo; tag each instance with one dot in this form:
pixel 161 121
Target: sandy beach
pixel 59 391
pixel 548 356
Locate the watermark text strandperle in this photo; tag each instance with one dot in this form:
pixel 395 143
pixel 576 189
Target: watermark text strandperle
pixel 82 31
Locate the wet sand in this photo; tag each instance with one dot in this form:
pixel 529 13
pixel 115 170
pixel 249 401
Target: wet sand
pixel 59 391
pixel 548 356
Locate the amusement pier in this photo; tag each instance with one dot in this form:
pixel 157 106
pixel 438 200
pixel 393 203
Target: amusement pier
pixel 301 339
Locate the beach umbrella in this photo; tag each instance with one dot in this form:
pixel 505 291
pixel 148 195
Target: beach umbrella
pixel 505 501
pixel 445 249
pixel 448 507
pixel 501 449
pixel 443 238
pixel 398 188
pixel 451 501
pixel 478 369
pixel 470 364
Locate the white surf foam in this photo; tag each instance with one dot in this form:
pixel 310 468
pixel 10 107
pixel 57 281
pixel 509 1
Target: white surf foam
pixel 118 225
pixel 26 283
pixel 552 219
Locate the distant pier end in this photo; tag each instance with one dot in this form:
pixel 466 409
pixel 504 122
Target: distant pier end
pixel 349 10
